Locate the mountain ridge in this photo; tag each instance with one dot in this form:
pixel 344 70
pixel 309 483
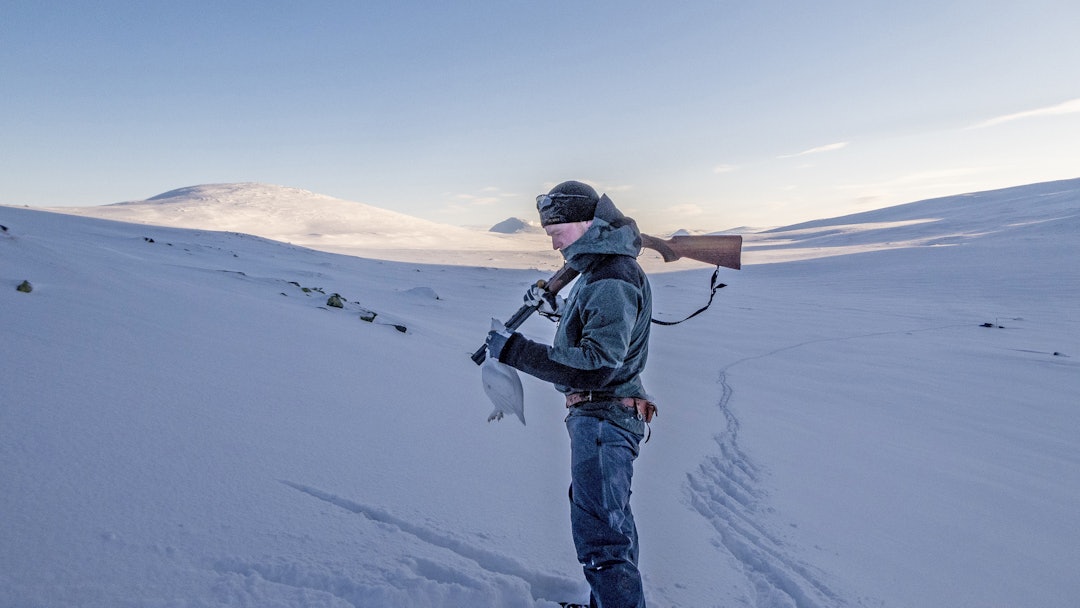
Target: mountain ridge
pixel 305 218
pixel 326 223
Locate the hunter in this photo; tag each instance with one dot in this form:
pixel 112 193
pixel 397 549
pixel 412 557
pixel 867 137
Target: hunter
pixel 596 361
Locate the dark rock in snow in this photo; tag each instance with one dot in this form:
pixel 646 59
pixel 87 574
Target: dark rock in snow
pixel 513 226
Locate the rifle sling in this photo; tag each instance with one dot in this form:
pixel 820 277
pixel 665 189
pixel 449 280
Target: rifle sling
pixel 713 285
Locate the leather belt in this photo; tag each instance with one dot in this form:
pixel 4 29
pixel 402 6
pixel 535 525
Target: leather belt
pixel 642 408
pixel 573 399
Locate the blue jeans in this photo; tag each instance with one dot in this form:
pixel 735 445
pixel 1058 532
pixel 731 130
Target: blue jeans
pixel 603 448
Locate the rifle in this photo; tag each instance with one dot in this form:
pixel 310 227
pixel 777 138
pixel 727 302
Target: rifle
pixel 718 249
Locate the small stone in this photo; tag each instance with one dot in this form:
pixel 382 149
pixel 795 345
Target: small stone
pixel 25 287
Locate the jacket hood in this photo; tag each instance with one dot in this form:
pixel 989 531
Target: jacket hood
pixel 611 233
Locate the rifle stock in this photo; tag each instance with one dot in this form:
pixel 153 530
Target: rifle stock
pixel 718 249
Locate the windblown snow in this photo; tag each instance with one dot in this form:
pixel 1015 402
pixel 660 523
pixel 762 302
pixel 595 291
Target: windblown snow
pixel 879 410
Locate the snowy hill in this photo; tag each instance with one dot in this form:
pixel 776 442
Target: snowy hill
pixel 317 221
pixel 1038 210
pixel 184 421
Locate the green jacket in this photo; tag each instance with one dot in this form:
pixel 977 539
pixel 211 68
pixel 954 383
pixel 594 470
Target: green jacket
pixel 602 341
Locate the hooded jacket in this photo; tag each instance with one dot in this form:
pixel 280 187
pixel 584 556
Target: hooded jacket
pixel 602 341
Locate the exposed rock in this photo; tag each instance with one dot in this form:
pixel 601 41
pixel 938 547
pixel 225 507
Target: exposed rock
pixel 513 226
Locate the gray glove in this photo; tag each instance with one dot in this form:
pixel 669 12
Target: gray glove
pixel 546 303
pixel 497 339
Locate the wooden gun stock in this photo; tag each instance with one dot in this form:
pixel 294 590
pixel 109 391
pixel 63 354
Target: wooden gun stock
pixel 717 249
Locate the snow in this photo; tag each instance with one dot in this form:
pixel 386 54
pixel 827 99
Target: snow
pixel 182 424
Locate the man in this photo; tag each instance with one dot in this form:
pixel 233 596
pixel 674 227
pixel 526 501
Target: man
pixel 596 360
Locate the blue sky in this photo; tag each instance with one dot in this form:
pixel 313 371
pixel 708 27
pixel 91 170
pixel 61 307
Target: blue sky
pixel 703 115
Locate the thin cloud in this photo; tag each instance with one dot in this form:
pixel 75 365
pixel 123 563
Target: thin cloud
pixel 598 186
pixel 612 188
pixel 818 150
pixel 918 179
pixel 723 169
pixel 688 209
pixel 1069 107
pixel 490 195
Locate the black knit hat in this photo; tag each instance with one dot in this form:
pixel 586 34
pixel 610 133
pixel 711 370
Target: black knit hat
pixel 568 202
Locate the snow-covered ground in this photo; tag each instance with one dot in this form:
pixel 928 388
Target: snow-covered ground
pixel 183 424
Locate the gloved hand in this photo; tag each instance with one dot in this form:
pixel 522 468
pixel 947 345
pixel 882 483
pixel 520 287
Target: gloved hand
pixel 496 339
pixel 548 304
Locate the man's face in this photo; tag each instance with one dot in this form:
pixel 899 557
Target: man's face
pixel 563 235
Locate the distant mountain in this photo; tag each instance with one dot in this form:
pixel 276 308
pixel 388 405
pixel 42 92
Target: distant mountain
pixel 291 215
pixel 263 209
pixel 515 225
pixel 326 223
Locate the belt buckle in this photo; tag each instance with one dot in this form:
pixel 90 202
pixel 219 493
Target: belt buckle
pixel 576 399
